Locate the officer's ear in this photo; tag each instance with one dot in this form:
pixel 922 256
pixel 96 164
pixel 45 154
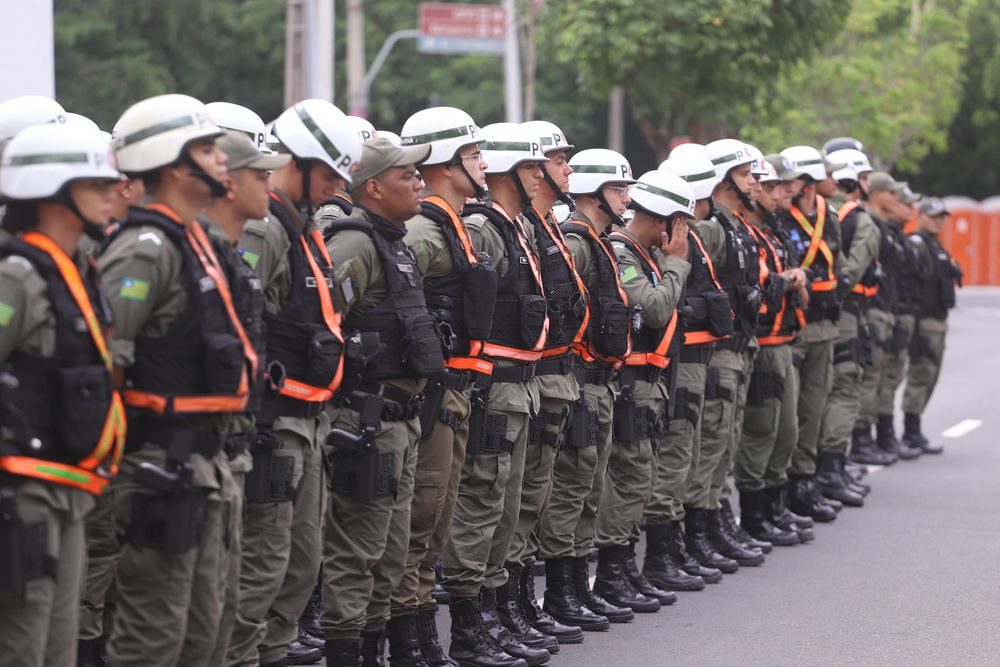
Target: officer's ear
pixel 374 189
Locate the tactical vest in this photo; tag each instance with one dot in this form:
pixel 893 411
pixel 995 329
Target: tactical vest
pixel 461 301
pixel 867 286
pixel 199 364
pixel 938 289
pixel 608 336
pixel 341 202
pixel 304 339
pixel 739 275
pixel 813 240
pixel 408 340
pixel 708 312
pixel 565 294
pixel 780 317
pixel 66 419
pixel 520 316
pixel 651 346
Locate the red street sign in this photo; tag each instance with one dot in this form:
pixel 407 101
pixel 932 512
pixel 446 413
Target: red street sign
pixel 445 19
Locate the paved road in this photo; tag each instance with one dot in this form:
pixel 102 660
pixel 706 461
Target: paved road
pixel 913 578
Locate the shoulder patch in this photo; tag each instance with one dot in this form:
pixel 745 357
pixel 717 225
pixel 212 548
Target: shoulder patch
pixel 134 289
pixel 152 237
pixel 6 314
pixel 628 274
pixel 251 258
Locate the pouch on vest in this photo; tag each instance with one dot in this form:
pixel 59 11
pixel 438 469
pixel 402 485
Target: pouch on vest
pixel 223 363
pixel 948 289
pixel 582 425
pixel 168 514
pixel 360 471
pixel 533 313
pixel 631 423
pixel 270 480
pixel 421 348
pixel 24 548
pixel 324 357
pixel 479 299
pixel 615 323
pixel 84 397
pixel 487 433
pixel 430 408
pixel 720 313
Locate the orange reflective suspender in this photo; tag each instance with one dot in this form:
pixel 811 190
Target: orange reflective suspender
pixel 842 213
pixel 773 338
pixel 584 348
pixel 567 256
pixel 816 243
pixel 535 353
pixel 111 442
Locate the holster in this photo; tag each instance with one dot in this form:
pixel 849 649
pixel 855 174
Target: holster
pixel 487 433
pixel 168 514
pixel 430 409
pixel 270 481
pixel 900 338
pixel 686 405
pixel 920 347
pixel 537 433
pixel 714 388
pixel 582 425
pixel 866 345
pixel 847 351
pixel 631 423
pixel 24 548
pixel 360 470
pixel 764 385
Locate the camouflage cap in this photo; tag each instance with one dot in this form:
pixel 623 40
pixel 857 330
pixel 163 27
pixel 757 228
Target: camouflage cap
pixel 933 206
pixel 880 181
pixel 784 167
pixel 381 154
pixel 906 195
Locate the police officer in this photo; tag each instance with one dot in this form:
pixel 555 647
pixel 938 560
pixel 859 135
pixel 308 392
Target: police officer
pixel 599 184
pixel 811 225
pixel 938 275
pixel 247 199
pixel 489 492
pixel 458 285
pixel 860 241
pixel 769 425
pixel 706 316
pixel 393 346
pixel 187 366
pixel 557 385
pixel 711 538
pixel 56 388
pixel 282 546
pixel 652 252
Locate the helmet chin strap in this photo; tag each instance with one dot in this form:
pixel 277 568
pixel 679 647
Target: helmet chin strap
pixel 217 189
pixel 478 190
pixel 305 204
pixel 742 196
pixel 525 199
pixel 562 196
pixel 90 228
pixel 604 206
pixel 711 208
pixel 797 198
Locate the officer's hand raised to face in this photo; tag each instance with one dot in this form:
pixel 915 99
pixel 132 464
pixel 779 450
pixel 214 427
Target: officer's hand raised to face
pixel 676 243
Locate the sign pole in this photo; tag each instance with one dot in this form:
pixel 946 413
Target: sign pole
pixel 512 67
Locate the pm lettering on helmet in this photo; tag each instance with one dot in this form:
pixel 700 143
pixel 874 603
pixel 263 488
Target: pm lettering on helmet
pixel 626 171
pixel 535 148
pixel 345 161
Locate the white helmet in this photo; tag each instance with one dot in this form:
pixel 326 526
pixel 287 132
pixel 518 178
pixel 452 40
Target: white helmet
pixel 842 142
pixel 769 173
pixel 364 128
pixel 807 160
pixel 758 166
pixel 18 113
pixel 42 159
pixel 727 154
pixel 391 136
pixel 662 194
pixel 231 116
pixel 551 136
pixel 851 157
pixel 848 173
pixel 446 129
pixel 154 132
pixel 596 167
pixel 317 130
pixel 506 145
pixel 681 150
pixel 82 121
pixel 695 168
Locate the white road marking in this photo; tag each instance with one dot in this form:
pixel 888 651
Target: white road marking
pixel 964 427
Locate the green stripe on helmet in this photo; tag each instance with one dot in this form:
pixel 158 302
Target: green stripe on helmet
pixel 725 158
pixel 318 134
pixel 506 146
pixel 683 201
pixel 808 163
pixel 50 158
pixel 703 176
pixel 454 133
pixel 595 169
pixel 159 128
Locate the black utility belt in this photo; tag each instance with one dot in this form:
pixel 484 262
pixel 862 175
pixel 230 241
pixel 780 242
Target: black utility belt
pixel 456 380
pixel 397 404
pixel 736 343
pixel 598 376
pixel 555 365
pixel 518 373
pixel 179 440
pixel 275 405
pixel 696 355
pixel 647 373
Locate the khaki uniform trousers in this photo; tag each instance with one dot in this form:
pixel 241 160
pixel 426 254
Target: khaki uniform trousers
pixel 926 354
pixel 844 403
pixel 881 324
pixel 721 391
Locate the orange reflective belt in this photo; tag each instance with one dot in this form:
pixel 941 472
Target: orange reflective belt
pixel 816 242
pixel 112 438
pixel 584 348
pixel 824 286
pixel 867 292
pixel 567 256
pixel 699 337
pixel 535 353
pixel 475 346
pixel 58 473
pixel 658 357
pixel 768 341
pixel 195 235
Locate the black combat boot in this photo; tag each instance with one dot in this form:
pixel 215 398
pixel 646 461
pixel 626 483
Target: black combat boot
pixel 612 583
pixel 776 509
pixel 404 645
pixel 439 594
pixel 539 619
pixel 513 617
pixel 561 601
pixel 726 543
pixel 853 483
pixel 373 648
pixel 471 643
pixel 309 632
pixel 342 652
pixel 641 583
pixel 90 652
pixel 736 530
pixel 687 562
pixel 802 501
pixel 592 601
pixel 887 440
pixel 830 480
pixel 507 640
pixel 864 450
pixel 699 546
pixel 757 521
pixel 300 654
pixel 427 638
pixel 659 566
pixel 914 437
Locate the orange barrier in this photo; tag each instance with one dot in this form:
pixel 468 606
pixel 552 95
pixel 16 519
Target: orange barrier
pixel 972 236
